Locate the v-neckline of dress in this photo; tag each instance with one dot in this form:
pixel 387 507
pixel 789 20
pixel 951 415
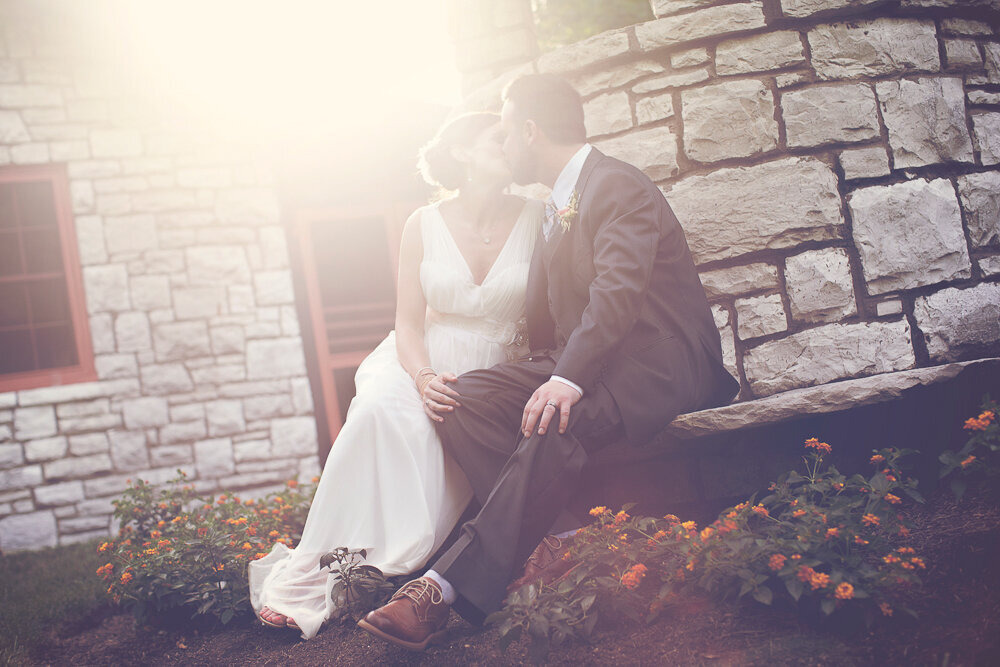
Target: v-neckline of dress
pixel 458 250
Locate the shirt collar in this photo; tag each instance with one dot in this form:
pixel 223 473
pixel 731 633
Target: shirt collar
pixel 563 188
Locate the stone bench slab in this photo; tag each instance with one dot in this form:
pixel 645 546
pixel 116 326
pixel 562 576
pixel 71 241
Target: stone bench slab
pixel 827 398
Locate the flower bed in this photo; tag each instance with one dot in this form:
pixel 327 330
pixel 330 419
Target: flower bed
pixel 178 551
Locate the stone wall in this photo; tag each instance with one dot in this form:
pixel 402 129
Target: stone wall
pixel 185 268
pixel 835 165
pixel 490 38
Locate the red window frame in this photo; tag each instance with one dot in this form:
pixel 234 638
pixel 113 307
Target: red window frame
pixel 83 370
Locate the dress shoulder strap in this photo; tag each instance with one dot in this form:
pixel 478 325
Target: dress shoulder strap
pixel 431 230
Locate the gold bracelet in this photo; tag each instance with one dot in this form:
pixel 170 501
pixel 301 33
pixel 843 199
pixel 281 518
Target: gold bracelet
pixel 421 371
pixel 420 389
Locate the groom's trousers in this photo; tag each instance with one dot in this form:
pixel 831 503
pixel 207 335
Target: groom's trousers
pixel 522 484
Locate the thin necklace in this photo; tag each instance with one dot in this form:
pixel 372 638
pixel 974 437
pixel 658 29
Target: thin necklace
pixel 486 233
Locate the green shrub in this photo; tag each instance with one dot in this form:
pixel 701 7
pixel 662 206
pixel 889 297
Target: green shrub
pixel 819 538
pixel 357 588
pixel 178 551
pixel 978 459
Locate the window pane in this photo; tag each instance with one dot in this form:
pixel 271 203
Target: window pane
pixel 36 204
pixel 49 301
pixel 16 354
pixel 7 218
pixel 56 347
pixel 10 253
pixel 13 304
pixel 42 252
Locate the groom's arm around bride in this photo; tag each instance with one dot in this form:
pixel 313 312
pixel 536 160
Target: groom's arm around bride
pixel 622 341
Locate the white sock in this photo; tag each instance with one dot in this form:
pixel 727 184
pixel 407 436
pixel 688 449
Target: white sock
pixel 447 590
pixel 568 533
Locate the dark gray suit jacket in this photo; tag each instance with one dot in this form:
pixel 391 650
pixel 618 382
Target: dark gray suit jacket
pixel 616 299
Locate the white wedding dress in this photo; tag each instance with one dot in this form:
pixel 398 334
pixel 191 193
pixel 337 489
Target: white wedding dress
pixel 387 485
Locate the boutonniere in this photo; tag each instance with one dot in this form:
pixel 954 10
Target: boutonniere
pixel 568 214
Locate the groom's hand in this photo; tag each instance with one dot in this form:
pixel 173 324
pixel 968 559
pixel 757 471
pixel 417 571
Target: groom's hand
pixel 551 398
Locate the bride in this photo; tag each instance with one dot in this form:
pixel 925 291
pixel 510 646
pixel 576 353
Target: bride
pixel 387 485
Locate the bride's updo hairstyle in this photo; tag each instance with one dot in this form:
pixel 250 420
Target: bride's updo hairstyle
pixel 437 164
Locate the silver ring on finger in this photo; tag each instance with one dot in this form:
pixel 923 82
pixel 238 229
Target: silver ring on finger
pixel 553 404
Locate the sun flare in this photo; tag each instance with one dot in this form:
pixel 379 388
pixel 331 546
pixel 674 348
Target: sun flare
pixel 267 67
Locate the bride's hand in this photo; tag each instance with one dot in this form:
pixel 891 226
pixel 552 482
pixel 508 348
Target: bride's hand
pixel 439 397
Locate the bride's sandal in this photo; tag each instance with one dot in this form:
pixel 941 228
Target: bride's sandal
pixel 275 624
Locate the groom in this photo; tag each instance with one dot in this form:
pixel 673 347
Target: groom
pixel 622 341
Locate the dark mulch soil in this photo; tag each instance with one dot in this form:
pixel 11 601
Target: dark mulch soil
pixel 958 607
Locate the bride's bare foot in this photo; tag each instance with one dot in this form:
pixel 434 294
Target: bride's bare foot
pixel 270 617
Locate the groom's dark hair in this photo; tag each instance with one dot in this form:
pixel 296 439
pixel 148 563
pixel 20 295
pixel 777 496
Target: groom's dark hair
pixel 552 103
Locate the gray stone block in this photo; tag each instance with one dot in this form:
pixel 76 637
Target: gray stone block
pixel 909 235
pixel 129 450
pixel 773 50
pixel 590 51
pixel 828 353
pixel 293 436
pixel 654 151
pixel 20 478
pixel 225 417
pixel 867 162
pixel 926 121
pixel 106 288
pixel 726 120
pixel 132 332
pixel 986 128
pixel 874 48
pixel 955 321
pixel 77 467
pixel 820 287
pixel 778 204
pixel 605 114
pixel 34 422
pixel 979 195
pixel 605 78
pixel 833 113
pixel 214 458
pixel 708 22
pixel 146 412
pixel 180 340
pixel 46 449
pixel 28 531
pixel 760 316
pixel 58 494
pixel 804 8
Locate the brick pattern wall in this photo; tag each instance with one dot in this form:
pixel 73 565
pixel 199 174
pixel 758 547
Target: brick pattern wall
pixel 835 165
pixel 189 293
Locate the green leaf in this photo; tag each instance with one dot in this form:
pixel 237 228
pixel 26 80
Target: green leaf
pixel 539 626
pixel 958 488
pixel 794 587
pixel 509 637
pixel 828 606
pixel 764 595
pixel 538 649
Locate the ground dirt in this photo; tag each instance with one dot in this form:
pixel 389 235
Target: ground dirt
pixel 958 608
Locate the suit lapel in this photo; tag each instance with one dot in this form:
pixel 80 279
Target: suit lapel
pixel 558 233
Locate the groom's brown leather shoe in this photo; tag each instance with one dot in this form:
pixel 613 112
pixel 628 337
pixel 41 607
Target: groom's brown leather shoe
pixel 412 618
pixel 547 563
